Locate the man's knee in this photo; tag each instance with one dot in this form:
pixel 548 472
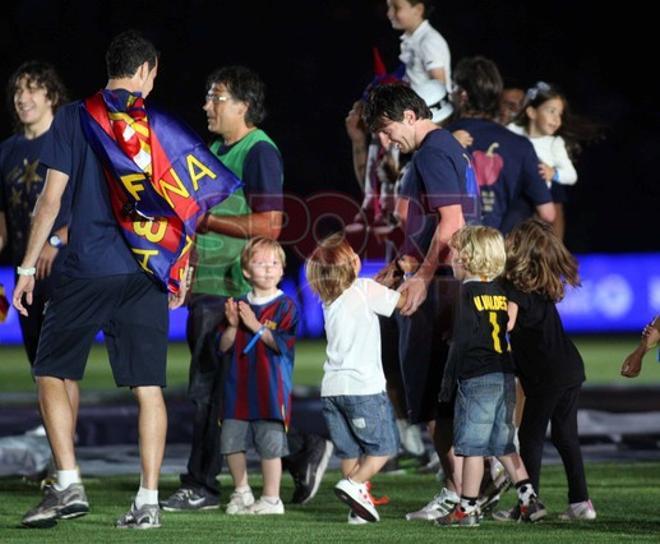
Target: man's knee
pixel 150 394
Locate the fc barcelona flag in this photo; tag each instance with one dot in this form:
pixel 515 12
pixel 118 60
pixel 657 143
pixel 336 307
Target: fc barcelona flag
pixel 161 176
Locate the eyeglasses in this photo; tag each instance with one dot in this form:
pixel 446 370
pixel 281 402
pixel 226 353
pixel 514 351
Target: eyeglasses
pixel 266 264
pixel 215 98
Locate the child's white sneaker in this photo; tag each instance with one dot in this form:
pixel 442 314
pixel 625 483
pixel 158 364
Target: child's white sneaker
pixel 239 501
pixel 265 507
pixel 579 511
pixel 357 497
pixel 354 519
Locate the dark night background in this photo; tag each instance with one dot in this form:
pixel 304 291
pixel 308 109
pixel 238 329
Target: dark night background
pixel 315 57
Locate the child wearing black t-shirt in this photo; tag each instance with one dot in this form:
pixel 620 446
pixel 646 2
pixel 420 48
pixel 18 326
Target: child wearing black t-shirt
pixel 548 364
pixel 480 375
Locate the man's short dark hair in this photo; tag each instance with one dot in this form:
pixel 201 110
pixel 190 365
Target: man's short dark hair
pixel 41 75
pixel 480 78
pixel 127 52
pixel 388 102
pixel 244 85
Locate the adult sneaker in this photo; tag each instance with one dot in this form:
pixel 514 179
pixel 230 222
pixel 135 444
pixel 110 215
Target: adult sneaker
pixel 145 517
pixel 354 519
pixel 579 511
pixel 357 497
pixel 264 507
pixel 66 504
pixel 239 501
pixel 440 505
pixel 185 498
pixel 459 518
pixel 308 469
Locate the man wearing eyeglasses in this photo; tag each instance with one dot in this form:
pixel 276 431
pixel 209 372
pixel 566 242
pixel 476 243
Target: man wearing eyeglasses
pixel 234 107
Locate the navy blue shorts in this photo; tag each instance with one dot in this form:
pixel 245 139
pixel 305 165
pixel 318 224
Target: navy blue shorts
pixel 130 309
pixel 423 348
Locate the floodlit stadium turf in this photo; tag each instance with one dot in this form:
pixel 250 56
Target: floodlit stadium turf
pixel 626 497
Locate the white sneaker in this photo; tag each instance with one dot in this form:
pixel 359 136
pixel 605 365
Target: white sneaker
pixel 411 438
pixel 357 497
pixel 354 519
pixel 579 511
pixel 439 506
pixel 239 502
pixel 264 507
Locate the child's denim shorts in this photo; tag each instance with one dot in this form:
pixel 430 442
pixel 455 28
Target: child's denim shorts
pixel 483 421
pixel 361 425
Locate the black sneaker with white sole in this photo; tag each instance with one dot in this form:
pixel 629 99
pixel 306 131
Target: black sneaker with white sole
pixel 186 499
pixel 309 467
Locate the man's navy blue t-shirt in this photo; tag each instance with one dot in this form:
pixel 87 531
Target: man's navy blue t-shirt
pixel 435 178
pixel 507 170
pixel 96 246
pixel 22 178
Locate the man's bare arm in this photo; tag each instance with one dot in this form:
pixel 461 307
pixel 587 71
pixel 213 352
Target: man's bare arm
pixel 268 224
pixel 547 212
pixel 451 219
pixel 45 212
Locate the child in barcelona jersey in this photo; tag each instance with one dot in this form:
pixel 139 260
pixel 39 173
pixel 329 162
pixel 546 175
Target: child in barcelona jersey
pixel 260 332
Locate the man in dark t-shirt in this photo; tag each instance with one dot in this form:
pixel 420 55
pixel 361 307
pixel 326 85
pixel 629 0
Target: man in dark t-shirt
pixel 436 190
pixel 505 164
pixel 37 94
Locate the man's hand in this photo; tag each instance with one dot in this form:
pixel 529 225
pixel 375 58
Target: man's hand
pixel 175 300
pixel 45 261
pixel 24 286
pixel 415 290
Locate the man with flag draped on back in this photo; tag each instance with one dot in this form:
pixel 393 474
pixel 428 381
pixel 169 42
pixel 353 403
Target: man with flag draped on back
pixel 141 182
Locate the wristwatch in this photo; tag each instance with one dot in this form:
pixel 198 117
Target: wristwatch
pixel 56 241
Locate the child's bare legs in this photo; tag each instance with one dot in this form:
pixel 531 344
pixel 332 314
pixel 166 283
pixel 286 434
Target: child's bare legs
pixel 515 467
pixel 527 498
pixel 473 472
pixel 366 468
pixel 238 469
pixel 348 466
pixel 272 472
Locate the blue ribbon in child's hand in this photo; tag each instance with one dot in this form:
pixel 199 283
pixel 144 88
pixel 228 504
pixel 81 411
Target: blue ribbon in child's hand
pixel 254 340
